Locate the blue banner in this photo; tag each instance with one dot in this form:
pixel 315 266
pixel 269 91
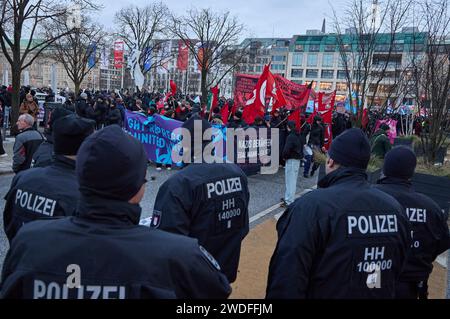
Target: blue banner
pixel 156 135
pixel 92 50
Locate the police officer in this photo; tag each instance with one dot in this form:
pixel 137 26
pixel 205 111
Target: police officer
pixel 429 223
pixel 345 240
pixel 47 192
pixel 208 202
pixel 102 252
pixel 44 154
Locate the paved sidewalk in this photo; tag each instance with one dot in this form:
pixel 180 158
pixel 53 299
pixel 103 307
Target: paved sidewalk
pixel 6 162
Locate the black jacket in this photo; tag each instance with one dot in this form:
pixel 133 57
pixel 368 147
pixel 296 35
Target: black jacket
pixel 293 149
pixel 316 135
pixel 429 225
pixel 116 257
pixel 114 117
pixel 44 154
pixel 208 202
pixel 84 109
pixel 330 238
pixel 338 125
pixel 41 193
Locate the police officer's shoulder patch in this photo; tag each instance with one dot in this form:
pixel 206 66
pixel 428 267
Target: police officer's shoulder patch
pixel 210 258
pixel 156 218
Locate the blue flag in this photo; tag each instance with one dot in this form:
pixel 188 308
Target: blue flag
pixel 148 59
pixel 92 48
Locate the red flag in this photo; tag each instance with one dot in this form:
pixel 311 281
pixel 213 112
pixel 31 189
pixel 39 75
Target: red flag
pixel 215 99
pixel 256 106
pixel 326 101
pixel 365 119
pixel 224 112
pixel 200 56
pixel 173 87
pixel 327 118
pixel 295 114
pixel 278 96
pixel 182 60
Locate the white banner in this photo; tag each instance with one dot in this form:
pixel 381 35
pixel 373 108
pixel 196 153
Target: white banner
pixel 104 59
pixel 135 68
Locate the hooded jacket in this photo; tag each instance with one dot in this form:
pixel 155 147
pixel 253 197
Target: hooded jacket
pixel 331 240
pixel 429 226
pixel 116 257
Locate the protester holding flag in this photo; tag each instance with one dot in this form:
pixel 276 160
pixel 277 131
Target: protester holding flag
pixel 236 121
pixel 292 154
pixel 316 142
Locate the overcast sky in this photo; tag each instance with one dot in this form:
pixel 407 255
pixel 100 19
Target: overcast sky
pixel 263 18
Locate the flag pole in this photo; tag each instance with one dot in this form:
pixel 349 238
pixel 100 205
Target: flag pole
pixel 121 77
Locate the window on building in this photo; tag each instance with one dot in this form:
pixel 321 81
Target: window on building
pixel 297 59
pixel 341 62
pixel 330 48
pixel 418 47
pixel 341 86
pixel 299 48
pixel 341 74
pixel 298 81
pixel 278 58
pixel 327 74
pixel 314 47
pixel 312 60
pixel 258 68
pixel 326 86
pixel 297 73
pixel 382 48
pixel 312 73
pixel 278 67
pixel 328 60
pixel 398 47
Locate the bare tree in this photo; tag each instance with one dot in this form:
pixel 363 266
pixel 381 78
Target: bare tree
pixel 144 27
pixel 368 48
pixel 77 50
pixel 432 75
pixel 216 35
pixel 22 37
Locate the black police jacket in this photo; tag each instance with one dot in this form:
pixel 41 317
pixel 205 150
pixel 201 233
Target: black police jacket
pixel 111 256
pixel 208 202
pixel 44 154
pixel 332 241
pixel 41 193
pixel 293 148
pixel 429 226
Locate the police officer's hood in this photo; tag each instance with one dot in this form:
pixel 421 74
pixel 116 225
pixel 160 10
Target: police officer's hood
pixel 111 167
pixel 343 174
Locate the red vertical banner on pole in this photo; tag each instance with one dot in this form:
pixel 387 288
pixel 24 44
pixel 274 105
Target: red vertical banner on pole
pixel 118 54
pixel 182 60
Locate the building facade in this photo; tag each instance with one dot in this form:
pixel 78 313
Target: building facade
pixel 317 58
